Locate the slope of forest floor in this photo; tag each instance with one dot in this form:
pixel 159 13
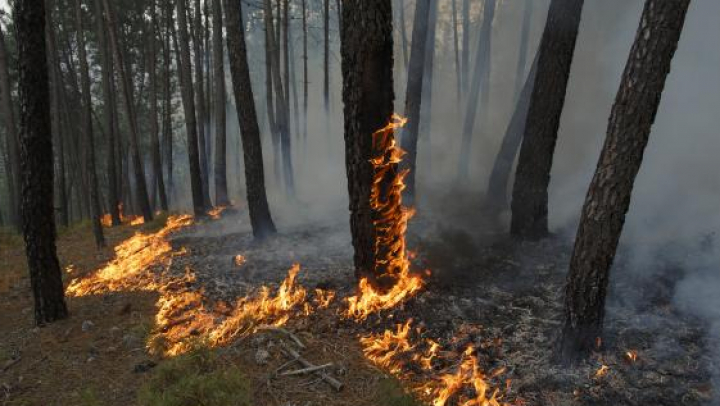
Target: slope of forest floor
pixel 503 298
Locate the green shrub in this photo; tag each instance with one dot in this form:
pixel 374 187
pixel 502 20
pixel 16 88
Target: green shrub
pixel 195 379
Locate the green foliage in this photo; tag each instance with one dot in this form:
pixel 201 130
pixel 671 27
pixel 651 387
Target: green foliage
pixel 391 393
pixel 196 378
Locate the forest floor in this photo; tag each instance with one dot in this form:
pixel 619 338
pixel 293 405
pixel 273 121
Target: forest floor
pixel 502 298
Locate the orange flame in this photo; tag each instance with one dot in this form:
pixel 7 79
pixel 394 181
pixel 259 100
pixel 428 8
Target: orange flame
pixel 390 222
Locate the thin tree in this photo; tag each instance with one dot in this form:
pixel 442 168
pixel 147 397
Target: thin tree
pixel 270 106
pixel 36 159
pixel 260 218
pixel 403 33
pixel 414 92
pixel 523 51
pixel 167 98
pixel 126 82
pixel 530 192
pixel 427 93
pixel 89 161
pixel 465 43
pixel 326 57
pixel 305 71
pixel 367 68
pixel 154 127
pixel 200 110
pixel 608 197
pixel 456 49
pixel 480 86
pixel 188 101
pixel 11 134
pixel 221 193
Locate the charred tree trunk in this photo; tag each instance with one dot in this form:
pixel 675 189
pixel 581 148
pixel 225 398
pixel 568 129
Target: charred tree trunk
pixel 530 192
pixel 188 101
pixel 11 132
pixel 413 97
pixel 89 161
pixel 500 175
pixel 221 193
pixel 36 157
pixel 523 52
pixel 154 128
pixel 125 78
pixel 608 197
pixel 108 114
pixel 367 66
pixel 200 105
pixel 480 85
pixel 260 217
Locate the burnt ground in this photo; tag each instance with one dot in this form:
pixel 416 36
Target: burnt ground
pixel 503 297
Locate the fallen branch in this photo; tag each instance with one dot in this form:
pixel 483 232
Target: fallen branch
pixel 307 370
pixel 10 363
pixel 283 331
pixel 337 385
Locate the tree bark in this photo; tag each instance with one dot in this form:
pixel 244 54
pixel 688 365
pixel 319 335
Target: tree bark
pixel 260 218
pixel 221 193
pixel 167 100
pixel 500 175
pixel 36 158
pixel 272 121
pixel 480 85
pixel 530 192
pixel 608 197
pixel 89 161
pixel 367 66
pixel 154 128
pixel 188 101
pixel 125 78
pixel 414 92
pixel 8 115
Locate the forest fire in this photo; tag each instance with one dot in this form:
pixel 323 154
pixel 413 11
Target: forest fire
pixel 391 218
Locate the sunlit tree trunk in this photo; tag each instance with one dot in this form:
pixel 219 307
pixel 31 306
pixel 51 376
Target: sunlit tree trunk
pixel 221 193
pixel 414 93
pixel 608 197
pixel 530 192
pixel 367 68
pixel 260 217
pixel 188 101
pixel 89 161
pixel 36 158
pixel 126 82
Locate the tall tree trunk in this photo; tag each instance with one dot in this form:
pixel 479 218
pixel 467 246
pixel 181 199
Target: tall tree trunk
pixel 530 192
pixel 36 158
pixel 293 83
pixel 8 115
pixel 427 94
pixel 456 48
pixel 154 128
pixel 523 52
pixel 286 53
pixel 269 88
pixel 260 218
pixel 221 193
pixel 608 197
pixel 403 33
pixel 414 90
pixel 305 71
pixel 89 161
pixel 125 78
pixel 367 67
pixel 283 121
pixel 480 85
pixel 326 57
pixel 108 114
pixel 188 101
pixel 167 99
pixel 500 175
pixel 200 105
pixel 465 43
